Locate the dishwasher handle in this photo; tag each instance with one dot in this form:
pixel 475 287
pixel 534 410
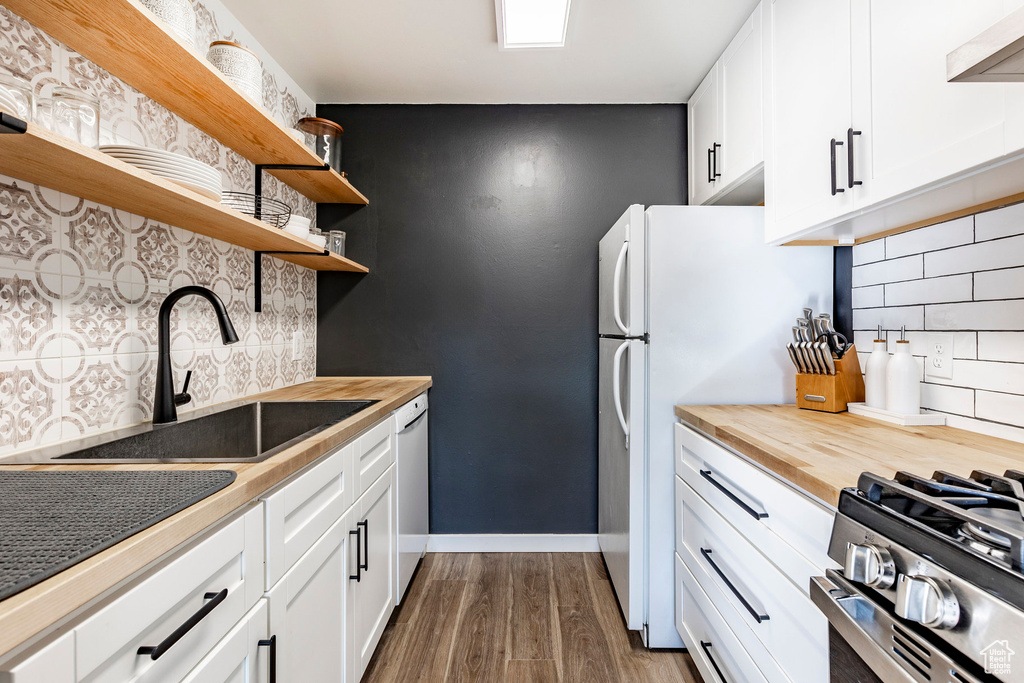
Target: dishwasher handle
pixel 414 421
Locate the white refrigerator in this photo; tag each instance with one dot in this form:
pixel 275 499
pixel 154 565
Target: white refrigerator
pixel 694 308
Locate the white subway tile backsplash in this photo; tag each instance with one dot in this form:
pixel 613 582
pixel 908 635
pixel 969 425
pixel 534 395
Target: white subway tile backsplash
pixel 930 290
pixel 999 284
pixel 996 429
pixel 1001 346
pixel 991 376
pixel 947 399
pixel 911 317
pixel 907 268
pixel 1004 253
pixel 964 343
pixel 868 252
pixel 1003 222
pixel 977 315
pixel 941 236
pixel 869 297
pixel 1005 408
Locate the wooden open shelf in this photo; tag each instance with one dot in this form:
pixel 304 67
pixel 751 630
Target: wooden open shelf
pixel 45 158
pixel 126 39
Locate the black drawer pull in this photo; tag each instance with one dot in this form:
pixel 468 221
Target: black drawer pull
pixel 366 544
pixel 358 576
pixel 835 186
pixel 707 650
pixel 711 177
pixel 849 157
pixel 166 644
pixel 715 175
pixel 271 642
pixel 732 496
pixel 750 608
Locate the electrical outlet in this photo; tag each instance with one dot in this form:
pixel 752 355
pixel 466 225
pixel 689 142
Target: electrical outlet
pixel 939 363
pixel 298 345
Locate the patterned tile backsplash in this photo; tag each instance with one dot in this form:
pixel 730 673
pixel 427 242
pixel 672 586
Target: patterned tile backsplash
pixel 81 284
pixel 964 277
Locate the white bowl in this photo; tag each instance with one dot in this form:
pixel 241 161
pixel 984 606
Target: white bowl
pixel 318 240
pixel 297 230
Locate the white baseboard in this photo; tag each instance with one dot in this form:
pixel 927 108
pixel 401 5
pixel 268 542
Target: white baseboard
pixel 512 543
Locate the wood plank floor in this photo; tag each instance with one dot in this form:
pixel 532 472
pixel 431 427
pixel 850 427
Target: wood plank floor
pixel 529 617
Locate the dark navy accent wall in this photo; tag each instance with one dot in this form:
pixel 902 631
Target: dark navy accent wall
pixel 481 240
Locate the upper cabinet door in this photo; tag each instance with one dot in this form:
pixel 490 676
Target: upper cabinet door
pixel 704 139
pixel 741 107
pixel 917 128
pixel 808 72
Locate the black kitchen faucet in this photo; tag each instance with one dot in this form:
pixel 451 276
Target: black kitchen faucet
pixel 166 401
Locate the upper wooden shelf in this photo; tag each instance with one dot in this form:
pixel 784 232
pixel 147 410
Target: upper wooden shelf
pixel 126 39
pixel 45 158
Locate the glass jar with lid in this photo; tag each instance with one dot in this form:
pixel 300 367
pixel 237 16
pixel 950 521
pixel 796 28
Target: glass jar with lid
pixel 16 96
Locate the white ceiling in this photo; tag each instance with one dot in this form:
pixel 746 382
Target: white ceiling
pixel 446 51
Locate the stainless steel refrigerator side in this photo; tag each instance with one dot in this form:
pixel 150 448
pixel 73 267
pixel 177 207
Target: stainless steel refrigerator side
pixel 621 471
pixel 719 302
pixel 621 276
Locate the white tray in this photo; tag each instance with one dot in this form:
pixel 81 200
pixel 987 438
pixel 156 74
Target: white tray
pixel 922 420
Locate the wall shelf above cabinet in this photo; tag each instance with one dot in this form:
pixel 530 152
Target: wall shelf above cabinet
pixel 125 38
pixel 995 55
pixel 45 158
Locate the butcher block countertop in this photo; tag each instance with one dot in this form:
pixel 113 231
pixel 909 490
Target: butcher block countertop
pixel 823 453
pixel 35 609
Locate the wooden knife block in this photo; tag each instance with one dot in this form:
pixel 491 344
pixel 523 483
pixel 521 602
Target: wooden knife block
pixel 832 393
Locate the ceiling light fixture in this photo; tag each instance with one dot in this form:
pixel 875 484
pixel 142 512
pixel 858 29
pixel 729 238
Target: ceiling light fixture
pixel 531 23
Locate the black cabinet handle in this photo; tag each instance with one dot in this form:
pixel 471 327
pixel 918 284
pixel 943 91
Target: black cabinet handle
pixel 835 187
pixel 271 642
pixel 711 177
pixel 156 652
pixel 750 608
pixel 849 157
pixel 358 576
pixel 733 497
pixel 366 544
pixel 707 650
pixel 714 164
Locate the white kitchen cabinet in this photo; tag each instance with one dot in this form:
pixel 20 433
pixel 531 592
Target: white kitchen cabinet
pixel 373 591
pixel 726 128
pixel 54 662
pixel 808 114
pixel 217 581
pixel 374 453
pixel 305 507
pixel 309 609
pixel 704 139
pixel 917 128
pixel 244 655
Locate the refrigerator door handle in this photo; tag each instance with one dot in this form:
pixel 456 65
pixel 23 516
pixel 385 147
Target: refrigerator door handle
pixel 617 284
pixel 617 387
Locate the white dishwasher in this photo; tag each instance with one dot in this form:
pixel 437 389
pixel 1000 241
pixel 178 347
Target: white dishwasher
pixel 412 492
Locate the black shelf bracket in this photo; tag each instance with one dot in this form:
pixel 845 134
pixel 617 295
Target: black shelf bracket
pixel 260 168
pixel 12 125
pixel 257 270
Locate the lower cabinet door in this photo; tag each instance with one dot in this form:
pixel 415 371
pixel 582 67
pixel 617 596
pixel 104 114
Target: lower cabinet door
pixel 373 592
pixel 52 663
pixel 244 655
pixel 309 610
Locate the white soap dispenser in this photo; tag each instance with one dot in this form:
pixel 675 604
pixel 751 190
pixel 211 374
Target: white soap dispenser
pixel 875 379
pixel 903 385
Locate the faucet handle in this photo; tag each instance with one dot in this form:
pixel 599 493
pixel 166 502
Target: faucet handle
pixel 184 397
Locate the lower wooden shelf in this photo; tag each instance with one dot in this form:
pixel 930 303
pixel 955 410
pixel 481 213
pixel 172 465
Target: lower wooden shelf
pixel 42 157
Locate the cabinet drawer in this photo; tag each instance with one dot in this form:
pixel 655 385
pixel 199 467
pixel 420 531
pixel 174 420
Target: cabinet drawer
pixel 145 615
pixel 302 510
pixel 751 593
pixel 238 657
pixel 52 663
pixel 753 501
pixel 374 454
pixel 714 648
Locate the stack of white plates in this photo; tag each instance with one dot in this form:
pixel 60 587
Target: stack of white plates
pixel 178 168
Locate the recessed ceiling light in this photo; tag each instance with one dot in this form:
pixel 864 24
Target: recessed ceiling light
pixel 531 23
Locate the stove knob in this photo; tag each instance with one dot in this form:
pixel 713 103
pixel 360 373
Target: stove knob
pixel 870 565
pixel 926 601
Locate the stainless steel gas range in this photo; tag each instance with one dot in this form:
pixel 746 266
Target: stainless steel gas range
pixel 932 586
